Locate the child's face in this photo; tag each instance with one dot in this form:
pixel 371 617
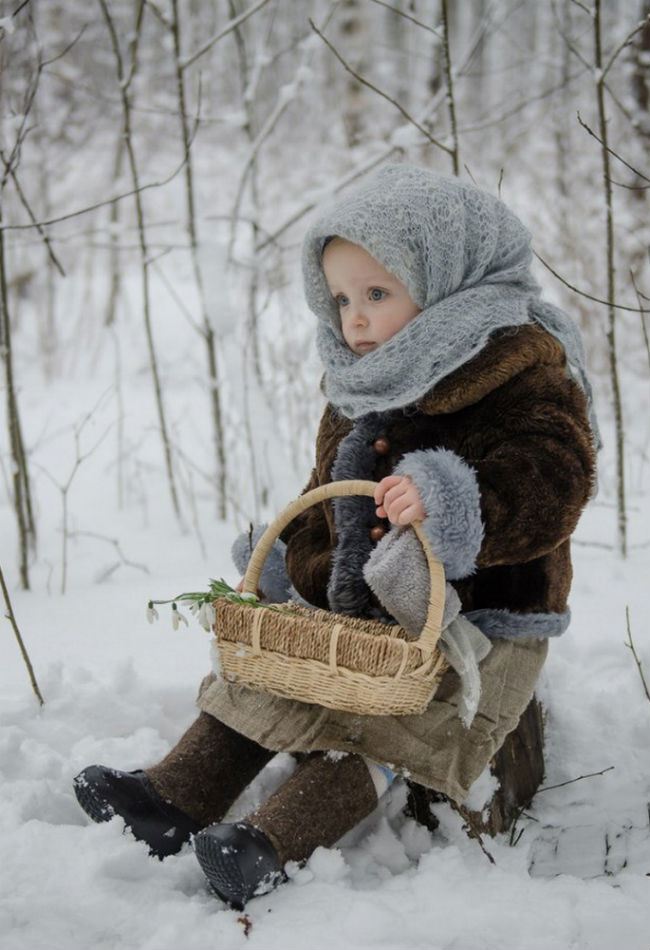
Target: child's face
pixel 372 302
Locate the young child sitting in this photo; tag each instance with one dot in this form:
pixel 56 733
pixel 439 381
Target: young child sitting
pixel 455 387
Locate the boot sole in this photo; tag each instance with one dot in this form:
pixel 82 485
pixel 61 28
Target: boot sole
pixel 224 873
pixel 95 807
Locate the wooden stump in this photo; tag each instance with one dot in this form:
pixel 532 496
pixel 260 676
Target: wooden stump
pixel 519 769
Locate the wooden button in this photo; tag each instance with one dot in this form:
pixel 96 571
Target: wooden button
pixel 377 532
pixel 381 445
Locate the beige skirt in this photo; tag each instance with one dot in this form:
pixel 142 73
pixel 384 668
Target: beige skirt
pixel 433 748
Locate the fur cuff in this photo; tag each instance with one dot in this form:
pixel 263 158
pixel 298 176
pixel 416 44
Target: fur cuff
pixel 451 498
pixel 274 581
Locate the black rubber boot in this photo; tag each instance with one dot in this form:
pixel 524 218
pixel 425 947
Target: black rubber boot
pixel 239 862
pixel 103 793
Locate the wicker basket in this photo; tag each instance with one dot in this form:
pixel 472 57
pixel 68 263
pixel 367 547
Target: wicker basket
pixel 348 663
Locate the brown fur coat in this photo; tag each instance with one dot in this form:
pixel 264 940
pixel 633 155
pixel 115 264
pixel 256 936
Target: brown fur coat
pixel 515 416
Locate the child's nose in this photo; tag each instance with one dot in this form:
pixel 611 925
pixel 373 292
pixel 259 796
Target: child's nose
pixel 359 315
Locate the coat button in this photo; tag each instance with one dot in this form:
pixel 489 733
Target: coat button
pixel 377 532
pixel 381 445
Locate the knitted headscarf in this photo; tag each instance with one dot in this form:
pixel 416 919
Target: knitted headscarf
pixel 464 258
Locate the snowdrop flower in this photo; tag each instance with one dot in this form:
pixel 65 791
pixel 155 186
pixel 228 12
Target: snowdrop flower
pixel 177 617
pixel 207 615
pixel 152 613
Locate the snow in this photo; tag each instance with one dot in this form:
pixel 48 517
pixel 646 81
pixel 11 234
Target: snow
pixel 119 691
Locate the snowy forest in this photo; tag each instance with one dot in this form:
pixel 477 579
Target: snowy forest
pixel 160 162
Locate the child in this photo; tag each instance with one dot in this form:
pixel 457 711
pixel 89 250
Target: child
pixel 450 383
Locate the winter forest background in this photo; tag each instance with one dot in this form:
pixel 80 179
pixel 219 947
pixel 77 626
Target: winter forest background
pixel 159 162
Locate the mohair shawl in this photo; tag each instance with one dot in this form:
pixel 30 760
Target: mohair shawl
pixel 464 258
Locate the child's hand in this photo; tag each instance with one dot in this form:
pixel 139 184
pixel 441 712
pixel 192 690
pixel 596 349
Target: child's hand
pixel 398 500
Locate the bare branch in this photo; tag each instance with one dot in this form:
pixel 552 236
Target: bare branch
pixel 14 14
pixel 27 207
pixel 583 7
pixel 638 662
pixel 134 44
pixel 283 101
pixel 547 788
pixel 157 12
pixel 619 49
pixel 519 106
pixel 115 543
pixel 450 90
pixel 479 35
pixel 471 827
pixel 366 82
pixel 583 293
pixel 99 204
pixel 644 330
pixel 65 50
pixel 144 252
pixel 611 151
pixel 25 655
pixel 569 43
pixel 228 28
pixel 407 16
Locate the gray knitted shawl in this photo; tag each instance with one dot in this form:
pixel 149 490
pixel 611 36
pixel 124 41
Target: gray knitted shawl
pixel 464 258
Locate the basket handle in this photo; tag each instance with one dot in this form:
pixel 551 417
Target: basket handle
pixel 430 633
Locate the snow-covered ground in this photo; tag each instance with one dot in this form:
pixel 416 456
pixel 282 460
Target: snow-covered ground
pixel 119 691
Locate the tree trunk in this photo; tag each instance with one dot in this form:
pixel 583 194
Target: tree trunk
pixel 519 768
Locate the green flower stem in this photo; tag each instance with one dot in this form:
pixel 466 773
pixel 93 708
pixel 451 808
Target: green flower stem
pixel 221 589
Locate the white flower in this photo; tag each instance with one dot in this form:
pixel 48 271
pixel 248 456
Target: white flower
pixel 152 613
pixel 207 616
pixel 177 618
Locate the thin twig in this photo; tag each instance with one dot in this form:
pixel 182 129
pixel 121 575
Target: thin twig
pixel 639 664
pixel 547 788
pixel 116 544
pixel 228 28
pixel 619 49
pixel 644 329
pixel 12 620
pixel 407 16
pixel 366 82
pixel 99 204
pixel 611 150
pixel 477 38
pixel 583 7
pixel 583 293
pixel 473 831
pixel 28 209
pixel 213 355
pixel 144 253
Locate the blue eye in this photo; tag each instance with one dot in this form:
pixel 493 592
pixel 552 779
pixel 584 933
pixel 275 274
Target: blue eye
pixel 377 290
pixel 341 300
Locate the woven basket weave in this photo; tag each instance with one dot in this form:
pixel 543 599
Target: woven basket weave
pixel 347 663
